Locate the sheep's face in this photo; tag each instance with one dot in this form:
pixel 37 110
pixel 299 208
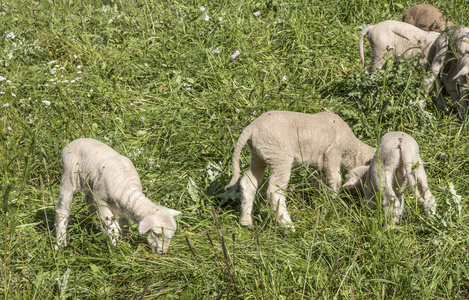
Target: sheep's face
pixel 159 238
pixel 159 228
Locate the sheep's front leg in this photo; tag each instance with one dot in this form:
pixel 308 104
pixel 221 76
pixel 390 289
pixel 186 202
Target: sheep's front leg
pixel 462 106
pixel 124 225
pixel 440 99
pixel 108 222
pixel 436 66
pixel 332 169
pixel 62 212
pixel 249 184
pixel 280 176
pixel 89 200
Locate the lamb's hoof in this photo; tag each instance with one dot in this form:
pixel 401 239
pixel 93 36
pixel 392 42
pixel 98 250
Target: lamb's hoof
pixel 288 230
pixel 246 221
pixel 288 227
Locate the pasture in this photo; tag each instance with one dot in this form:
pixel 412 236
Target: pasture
pixel 171 85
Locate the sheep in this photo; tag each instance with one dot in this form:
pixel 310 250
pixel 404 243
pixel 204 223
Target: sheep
pixel 396 163
pixel 282 138
pixel 426 17
pixel 112 188
pixel 450 67
pixel 394 38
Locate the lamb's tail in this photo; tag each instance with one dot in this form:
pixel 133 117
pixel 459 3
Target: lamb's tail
pixel 363 33
pixel 242 140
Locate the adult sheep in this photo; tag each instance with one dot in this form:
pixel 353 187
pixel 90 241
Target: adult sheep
pixel 426 17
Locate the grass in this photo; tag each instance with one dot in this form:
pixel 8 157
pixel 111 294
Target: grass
pixel 142 77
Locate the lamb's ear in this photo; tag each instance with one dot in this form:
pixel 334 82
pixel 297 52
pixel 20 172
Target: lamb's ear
pixel 352 182
pixel 174 212
pixel 464 71
pixel 353 179
pixel 146 224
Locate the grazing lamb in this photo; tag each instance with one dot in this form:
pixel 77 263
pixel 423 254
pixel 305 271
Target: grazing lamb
pixel 450 67
pixel 112 188
pixel 396 163
pixel 282 138
pixel 426 17
pixel 394 38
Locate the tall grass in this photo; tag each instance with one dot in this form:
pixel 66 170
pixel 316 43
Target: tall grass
pixel 156 81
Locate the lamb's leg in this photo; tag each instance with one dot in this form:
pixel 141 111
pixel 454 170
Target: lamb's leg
pixel 109 224
pixel 440 99
pixel 124 225
pixel 378 59
pixel 391 202
pixel 436 66
pixel 280 176
pixel 62 210
pixel 428 201
pixel 411 178
pixel 89 200
pixel 249 184
pixel 332 170
pixel 462 106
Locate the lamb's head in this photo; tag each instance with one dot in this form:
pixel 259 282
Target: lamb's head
pixel 159 227
pixel 355 180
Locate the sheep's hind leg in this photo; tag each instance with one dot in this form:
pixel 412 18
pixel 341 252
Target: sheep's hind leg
pixel 280 176
pixel 249 184
pixel 392 203
pixel 428 201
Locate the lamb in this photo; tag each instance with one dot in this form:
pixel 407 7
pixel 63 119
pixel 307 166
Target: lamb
pixel 426 17
pixel 394 38
pixel 282 138
pixel 396 163
pixel 112 188
pixel 450 67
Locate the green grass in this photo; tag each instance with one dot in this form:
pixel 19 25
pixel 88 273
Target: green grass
pixel 141 77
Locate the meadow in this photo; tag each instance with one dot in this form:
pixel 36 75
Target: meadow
pixel 171 85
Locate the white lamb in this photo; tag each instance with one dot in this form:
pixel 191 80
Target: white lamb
pixel 282 138
pixel 450 67
pixel 112 188
pixel 396 163
pixel 393 38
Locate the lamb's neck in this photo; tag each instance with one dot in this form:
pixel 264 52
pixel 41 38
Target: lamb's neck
pixel 140 207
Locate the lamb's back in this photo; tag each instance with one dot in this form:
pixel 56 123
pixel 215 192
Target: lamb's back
pixel 305 137
pixel 100 169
